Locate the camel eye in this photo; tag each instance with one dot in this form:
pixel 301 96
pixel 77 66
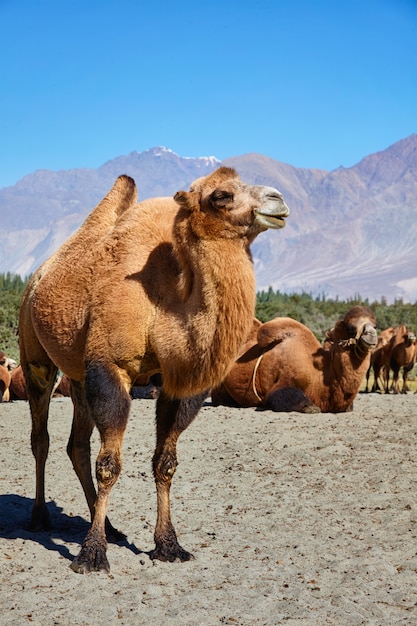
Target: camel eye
pixel 219 197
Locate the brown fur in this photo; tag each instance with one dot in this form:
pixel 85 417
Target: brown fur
pixel 285 356
pixel 18 385
pixel 164 286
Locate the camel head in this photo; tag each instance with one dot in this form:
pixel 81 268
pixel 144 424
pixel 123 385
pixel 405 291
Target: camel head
pixel 409 338
pixel 222 206
pixel 357 329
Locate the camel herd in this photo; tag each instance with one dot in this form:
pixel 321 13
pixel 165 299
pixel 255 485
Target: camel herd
pixel 166 288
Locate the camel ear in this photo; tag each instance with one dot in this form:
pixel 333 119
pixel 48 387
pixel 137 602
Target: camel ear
pixel 220 198
pixel 187 199
pixel 329 335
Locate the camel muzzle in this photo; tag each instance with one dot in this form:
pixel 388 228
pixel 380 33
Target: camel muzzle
pixel 368 337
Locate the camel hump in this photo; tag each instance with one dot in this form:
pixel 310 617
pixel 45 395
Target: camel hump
pixel 276 330
pixel 121 196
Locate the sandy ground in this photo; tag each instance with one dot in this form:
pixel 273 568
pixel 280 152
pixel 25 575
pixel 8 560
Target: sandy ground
pixel 293 519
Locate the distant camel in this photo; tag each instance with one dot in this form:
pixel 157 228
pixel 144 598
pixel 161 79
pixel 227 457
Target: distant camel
pixel 7 362
pixel 378 360
pixel 400 353
pixel 18 385
pixel 7 365
pixel 165 286
pixel 5 379
pixel 283 367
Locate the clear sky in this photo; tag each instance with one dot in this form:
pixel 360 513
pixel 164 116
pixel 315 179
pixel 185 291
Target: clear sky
pixel 312 83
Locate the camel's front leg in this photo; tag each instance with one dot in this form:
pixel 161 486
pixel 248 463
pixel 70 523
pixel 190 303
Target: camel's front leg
pixel 172 417
pixel 109 405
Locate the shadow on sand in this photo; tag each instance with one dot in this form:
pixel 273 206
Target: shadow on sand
pixel 15 512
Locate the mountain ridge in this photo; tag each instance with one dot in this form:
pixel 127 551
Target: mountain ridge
pixel 351 230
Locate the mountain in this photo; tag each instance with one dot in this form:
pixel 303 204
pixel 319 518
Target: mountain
pixel 351 231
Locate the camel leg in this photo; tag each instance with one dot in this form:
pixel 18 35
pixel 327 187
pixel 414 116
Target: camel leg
pixel 406 371
pixel 368 372
pixel 40 379
pixel 109 405
pixel 375 386
pixel 79 451
pixel 386 378
pixel 395 376
pixel 172 418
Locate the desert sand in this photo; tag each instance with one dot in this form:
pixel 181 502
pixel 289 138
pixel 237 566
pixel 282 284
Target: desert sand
pixel 293 519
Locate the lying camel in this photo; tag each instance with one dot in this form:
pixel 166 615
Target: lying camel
pixel 18 385
pixel 400 353
pixel 283 367
pixel 7 362
pixel 7 365
pixel 166 286
pixel 5 379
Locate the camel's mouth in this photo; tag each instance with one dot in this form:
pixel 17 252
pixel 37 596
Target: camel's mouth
pixel 271 221
pixel 369 339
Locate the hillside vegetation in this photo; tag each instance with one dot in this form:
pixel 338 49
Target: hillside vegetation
pixel 318 314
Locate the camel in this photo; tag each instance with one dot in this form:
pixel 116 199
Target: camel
pixel 18 385
pixel 5 379
pixel 7 365
pixel 283 367
pixel 399 353
pixel 378 360
pixel 164 286
pixel 7 362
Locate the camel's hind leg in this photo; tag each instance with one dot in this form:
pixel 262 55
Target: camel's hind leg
pixel 40 376
pixel 172 417
pixel 109 405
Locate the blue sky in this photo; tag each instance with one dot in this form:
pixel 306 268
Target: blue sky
pixel 313 84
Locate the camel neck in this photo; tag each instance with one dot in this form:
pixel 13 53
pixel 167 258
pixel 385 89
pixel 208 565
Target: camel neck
pixel 215 311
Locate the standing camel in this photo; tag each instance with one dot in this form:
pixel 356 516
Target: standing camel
pixel 400 353
pixel 283 367
pixel 378 360
pixel 166 286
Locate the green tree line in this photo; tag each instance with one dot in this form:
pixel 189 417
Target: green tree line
pixel 12 287
pixel 317 313
pixel 321 313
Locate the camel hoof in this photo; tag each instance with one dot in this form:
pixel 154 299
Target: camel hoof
pixel 92 557
pixel 171 554
pixel 81 566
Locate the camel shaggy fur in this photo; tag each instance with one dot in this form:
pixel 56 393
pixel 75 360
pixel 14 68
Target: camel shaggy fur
pixel 283 367
pixel 166 286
